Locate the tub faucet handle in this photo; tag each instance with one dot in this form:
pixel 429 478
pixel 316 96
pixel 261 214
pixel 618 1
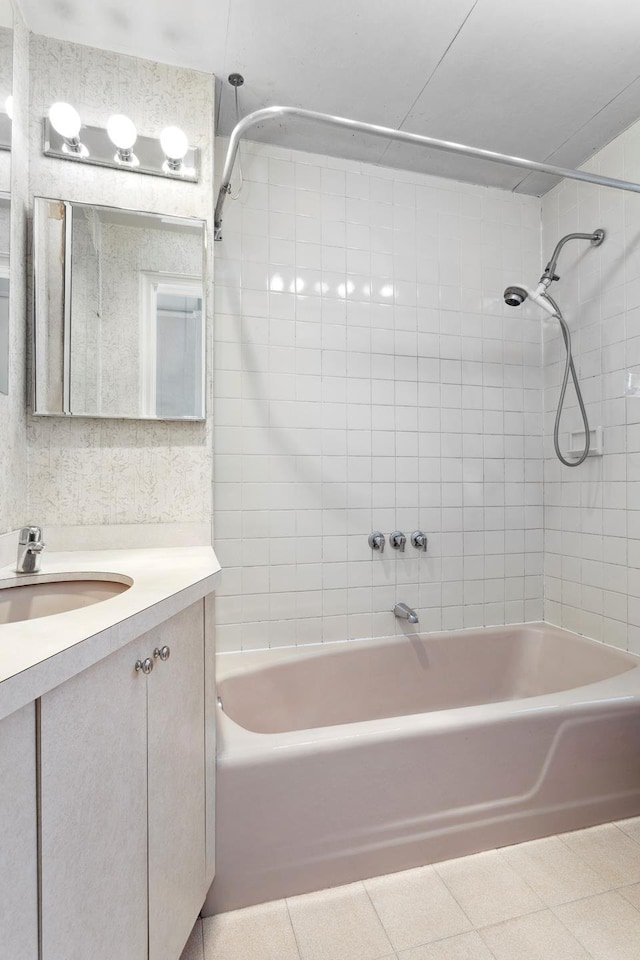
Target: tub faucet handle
pixel 398 540
pixel 419 540
pixel 377 541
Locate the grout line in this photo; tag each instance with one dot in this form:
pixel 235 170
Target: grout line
pixel 560 920
pixel 380 921
pixel 584 859
pixel 616 823
pixel 293 929
pixel 575 853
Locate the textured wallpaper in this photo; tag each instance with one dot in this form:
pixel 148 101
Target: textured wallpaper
pixel 91 471
pixel 13 482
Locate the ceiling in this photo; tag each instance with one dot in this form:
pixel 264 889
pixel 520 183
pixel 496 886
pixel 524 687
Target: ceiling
pixel 6 14
pixel 550 80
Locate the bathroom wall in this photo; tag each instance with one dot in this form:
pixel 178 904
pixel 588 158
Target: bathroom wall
pixel 114 471
pixel 13 446
pixel 368 375
pixel 6 85
pixel 592 517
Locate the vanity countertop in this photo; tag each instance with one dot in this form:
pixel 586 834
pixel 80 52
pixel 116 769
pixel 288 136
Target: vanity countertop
pixel 37 655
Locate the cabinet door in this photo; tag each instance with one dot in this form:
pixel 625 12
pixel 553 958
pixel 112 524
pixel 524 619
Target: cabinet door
pixel 93 810
pixel 176 771
pixel 18 836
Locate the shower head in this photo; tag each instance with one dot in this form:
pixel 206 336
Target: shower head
pixel 515 296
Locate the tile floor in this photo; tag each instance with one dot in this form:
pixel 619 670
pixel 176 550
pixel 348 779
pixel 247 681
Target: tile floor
pixel 575 896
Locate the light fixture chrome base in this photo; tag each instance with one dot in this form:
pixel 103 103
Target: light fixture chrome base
pixel 598 237
pixel 100 151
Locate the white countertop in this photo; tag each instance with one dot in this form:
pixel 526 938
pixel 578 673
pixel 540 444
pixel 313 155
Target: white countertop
pixel 37 655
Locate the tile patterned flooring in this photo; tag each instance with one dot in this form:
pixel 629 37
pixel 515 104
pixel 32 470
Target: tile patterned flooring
pixel 575 896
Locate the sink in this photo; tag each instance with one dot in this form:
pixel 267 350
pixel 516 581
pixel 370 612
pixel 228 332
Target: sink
pixel 24 599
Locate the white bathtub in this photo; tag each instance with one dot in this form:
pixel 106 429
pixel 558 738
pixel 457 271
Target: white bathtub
pixel 349 760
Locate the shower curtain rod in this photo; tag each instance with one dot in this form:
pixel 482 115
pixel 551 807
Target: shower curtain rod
pixel 275 113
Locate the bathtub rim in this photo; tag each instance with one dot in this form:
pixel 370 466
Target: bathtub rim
pixel 236 742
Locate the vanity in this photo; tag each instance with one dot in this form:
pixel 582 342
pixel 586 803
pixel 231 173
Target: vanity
pixel 107 699
pixel 107 753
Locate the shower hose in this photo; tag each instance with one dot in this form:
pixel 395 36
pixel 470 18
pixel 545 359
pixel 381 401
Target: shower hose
pixel 568 369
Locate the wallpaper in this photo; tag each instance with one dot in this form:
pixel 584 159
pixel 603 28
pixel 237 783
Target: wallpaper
pixel 13 475
pixel 91 471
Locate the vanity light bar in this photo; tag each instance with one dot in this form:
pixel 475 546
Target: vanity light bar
pixel 93 145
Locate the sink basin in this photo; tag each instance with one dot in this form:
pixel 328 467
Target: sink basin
pixel 22 599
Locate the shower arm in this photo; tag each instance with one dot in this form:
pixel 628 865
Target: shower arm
pixel 549 273
pixel 388 133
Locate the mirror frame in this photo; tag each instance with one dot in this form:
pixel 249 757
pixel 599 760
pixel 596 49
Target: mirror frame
pixel 67 207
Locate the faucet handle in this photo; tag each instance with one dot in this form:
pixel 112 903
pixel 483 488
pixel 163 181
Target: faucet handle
pixel 419 540
pixel 398 540
pixel 377 541
pixel 30 534
pixel 30 546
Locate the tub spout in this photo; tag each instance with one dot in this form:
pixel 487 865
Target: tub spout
pixel 403 612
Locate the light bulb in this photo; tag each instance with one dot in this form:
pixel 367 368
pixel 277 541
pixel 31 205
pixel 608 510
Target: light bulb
pixel 122 131
pixel 174 143
pixel 65 119
pixel 8 106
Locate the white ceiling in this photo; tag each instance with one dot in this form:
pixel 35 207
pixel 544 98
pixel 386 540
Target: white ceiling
pixel 548 79
pixel 6 14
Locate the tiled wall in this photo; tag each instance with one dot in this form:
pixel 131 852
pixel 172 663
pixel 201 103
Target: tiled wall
pixel 368 375
pixel 592 567
pixel 111 471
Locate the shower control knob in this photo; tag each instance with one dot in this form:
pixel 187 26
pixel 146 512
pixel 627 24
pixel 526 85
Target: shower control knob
pixel 377 541
pixel 398 540
pixel 419 540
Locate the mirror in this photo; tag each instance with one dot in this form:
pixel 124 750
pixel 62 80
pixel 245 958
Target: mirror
pixel 119 313
pixel 6 103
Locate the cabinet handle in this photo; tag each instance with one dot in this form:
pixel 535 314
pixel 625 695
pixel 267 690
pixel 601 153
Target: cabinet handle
pixel 163 652
pixel 145 665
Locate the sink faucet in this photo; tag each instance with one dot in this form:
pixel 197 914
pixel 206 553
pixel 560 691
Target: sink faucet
pixel 403 612
pixel 30 547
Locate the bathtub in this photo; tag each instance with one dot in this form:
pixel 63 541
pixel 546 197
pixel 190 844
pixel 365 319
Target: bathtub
pixel 348 760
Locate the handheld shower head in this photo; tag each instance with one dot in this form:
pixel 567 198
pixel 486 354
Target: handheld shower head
pixel 515 296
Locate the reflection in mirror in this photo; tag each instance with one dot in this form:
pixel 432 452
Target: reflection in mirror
pixel 5 213
pixel 119 310
pixel 6 102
